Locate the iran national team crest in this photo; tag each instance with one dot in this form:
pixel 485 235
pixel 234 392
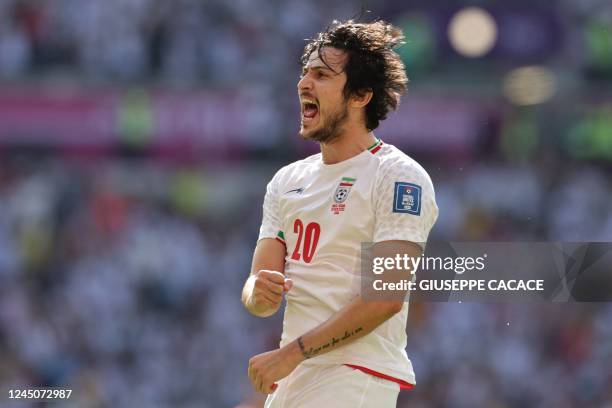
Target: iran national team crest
pixel 341 194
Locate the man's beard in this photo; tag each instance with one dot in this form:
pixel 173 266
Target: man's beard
pixel 331 128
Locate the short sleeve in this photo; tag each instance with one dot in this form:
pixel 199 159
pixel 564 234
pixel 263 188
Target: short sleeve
pixel 270 224
pixel 405 205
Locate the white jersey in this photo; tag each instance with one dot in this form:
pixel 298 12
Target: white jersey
pixel 323 212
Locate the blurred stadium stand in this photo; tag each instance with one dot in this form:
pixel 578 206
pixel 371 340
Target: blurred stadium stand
pixel 136 140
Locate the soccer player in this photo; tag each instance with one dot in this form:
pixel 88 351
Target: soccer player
pixel 336 349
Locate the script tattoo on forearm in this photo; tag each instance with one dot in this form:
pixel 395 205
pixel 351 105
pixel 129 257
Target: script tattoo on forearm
pixel 311 352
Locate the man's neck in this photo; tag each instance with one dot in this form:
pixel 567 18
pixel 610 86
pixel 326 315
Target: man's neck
pixel 349 144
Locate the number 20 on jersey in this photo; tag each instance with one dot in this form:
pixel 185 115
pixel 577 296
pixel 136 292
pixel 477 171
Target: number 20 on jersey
pixel 308 236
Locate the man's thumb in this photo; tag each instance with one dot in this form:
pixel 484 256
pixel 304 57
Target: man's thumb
pixel 288 284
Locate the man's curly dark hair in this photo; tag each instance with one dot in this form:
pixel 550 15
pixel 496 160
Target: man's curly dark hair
pixel 371 65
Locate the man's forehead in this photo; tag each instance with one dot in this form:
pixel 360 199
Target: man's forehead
pixel 334 57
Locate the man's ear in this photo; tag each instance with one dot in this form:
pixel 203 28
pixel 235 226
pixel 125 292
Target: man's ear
pixel 361 99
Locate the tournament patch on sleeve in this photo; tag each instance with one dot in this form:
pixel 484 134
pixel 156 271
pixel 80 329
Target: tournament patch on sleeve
pixel 407 198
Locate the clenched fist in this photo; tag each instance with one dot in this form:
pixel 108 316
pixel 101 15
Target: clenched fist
pixel 264 292
pixel 266 369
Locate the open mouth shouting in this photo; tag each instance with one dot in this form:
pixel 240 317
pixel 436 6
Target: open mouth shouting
pixel 310 110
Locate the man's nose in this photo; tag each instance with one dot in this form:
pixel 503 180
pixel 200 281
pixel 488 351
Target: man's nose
pixel 304 83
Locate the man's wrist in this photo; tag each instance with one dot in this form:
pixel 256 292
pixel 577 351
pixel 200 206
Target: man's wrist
pixel 247 292
pixel 294 353
pixel 300 344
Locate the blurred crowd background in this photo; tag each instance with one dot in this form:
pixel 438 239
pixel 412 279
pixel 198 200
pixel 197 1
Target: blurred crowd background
pixel 136 140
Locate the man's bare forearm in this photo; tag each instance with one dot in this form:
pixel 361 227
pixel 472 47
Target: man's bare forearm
pixel 352 322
